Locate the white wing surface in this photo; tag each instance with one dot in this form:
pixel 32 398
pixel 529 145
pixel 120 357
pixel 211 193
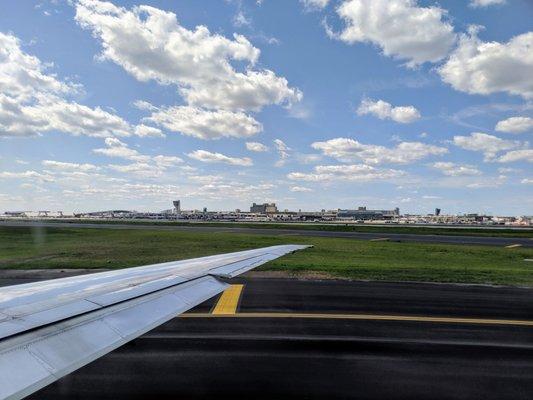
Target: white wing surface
pixel 51 328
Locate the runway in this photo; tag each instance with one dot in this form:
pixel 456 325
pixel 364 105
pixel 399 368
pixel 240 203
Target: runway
pixel 279 338
pixel 393 237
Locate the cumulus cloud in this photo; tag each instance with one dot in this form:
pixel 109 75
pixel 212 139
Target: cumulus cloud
pixel 66 166
pixel 384 110
pixel 487 144
pixel 119 149
pixel 453 169
pixel 148 131
pixel 478 67
pixel 401 28
pixel 517 155
pixel 21 74
pixel 346 150
pixel 33 101
pixel 485 3
pixel 31 175
pixel 150 44
pixel 256 146
pixel 205 124
pixel 209 157
pixel 139 169
pixel 527 181
pixel 143 165
pixel 167 161
pixel 144 105
pixel 515 125
pixel 355 172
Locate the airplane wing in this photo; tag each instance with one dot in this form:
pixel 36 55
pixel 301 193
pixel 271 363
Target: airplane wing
pixel 51 328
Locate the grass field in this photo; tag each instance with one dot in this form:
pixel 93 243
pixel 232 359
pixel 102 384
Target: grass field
pixel 109 248
pixel 337 227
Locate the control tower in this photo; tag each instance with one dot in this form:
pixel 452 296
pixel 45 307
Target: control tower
pixel 177 206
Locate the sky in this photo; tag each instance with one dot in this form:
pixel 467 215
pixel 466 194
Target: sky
pixel 312 104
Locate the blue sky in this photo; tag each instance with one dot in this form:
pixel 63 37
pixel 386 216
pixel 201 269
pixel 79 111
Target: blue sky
pixel 311 104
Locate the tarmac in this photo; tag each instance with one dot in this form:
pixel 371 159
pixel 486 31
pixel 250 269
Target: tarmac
pixel 316 339
pixel 393 237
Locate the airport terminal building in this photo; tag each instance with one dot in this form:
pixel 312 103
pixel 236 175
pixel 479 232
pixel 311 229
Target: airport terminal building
pixel 364 215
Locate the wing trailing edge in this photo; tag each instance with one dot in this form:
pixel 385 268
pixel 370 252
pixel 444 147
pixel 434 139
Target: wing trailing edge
pixel 51 328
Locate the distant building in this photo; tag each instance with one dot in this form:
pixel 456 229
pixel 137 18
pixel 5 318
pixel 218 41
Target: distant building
pixel 437 211
pixel 363 214
pixel 177 206
pixel 265 208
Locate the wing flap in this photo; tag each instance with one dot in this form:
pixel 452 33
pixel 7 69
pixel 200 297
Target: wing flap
pixel 231 270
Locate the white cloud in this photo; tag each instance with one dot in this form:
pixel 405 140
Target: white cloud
pixel 240 19
pixel 33 101
pixel 346 150
pixel 144 166
pixel 283 152
pixel 167 161
pixel 33 175
pixel 139 169
pixel 515 125
pixel 314 4
pixel 150 44
pixel 66 166
pixel 148 131
pixel 453 169
pixel 21 74
pixel 384 110
pixel 119 149
pixel 256 146
pixel 527 181
pixel 144 105
pixel 51 113
pixel 487 144
pixel 300 189
pixel 205 124
pixel 400 28
pixel 355 172
pixel 224 189
pixel 478 67
pixel 485 3
pixel 517 155
pixel 209 157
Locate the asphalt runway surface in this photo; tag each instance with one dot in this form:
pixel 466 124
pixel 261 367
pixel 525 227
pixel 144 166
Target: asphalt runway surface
pixel 393 237
pixel 331 339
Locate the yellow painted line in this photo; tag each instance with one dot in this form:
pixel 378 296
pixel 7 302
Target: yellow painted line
pixel 368 317
pixel 227 304
pixel 512 246
pixel 379 240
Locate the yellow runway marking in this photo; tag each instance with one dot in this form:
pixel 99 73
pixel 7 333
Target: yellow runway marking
pixel 379 240
pixel 368 317
pixel 512 246
pixel 227 304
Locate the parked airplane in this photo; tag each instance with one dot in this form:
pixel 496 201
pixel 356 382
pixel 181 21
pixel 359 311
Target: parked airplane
pixel 51 328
